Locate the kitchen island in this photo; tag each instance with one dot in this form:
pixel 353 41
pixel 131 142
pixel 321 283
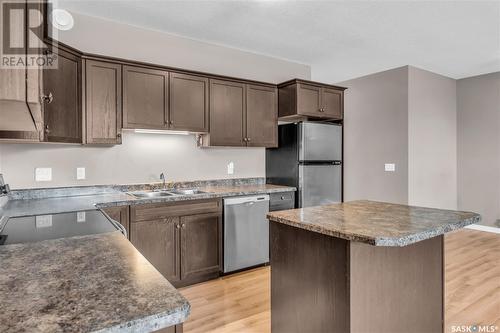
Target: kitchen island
pixel 360 266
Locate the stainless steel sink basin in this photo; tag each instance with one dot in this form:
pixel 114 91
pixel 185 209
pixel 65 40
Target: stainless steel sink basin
pixel 151 194
pixel 186 191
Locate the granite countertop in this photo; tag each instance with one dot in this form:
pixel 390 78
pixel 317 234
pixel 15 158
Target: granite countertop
pixel 376 223
pixel 75 202
pixel 96 283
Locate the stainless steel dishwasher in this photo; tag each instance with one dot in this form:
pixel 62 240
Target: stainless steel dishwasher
pixel 246 232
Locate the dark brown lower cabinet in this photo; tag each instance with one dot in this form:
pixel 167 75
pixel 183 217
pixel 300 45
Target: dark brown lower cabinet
pixel 121 215
pixel 183 240
pixel 200 255
pixel 158 241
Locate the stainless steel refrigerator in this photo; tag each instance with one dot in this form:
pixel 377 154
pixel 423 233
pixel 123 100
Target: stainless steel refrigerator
pixel 309 157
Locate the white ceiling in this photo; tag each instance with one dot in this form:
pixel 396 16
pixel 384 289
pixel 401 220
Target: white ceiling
pixel 338 39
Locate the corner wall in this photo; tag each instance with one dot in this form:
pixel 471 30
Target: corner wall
pixel 376 132
pixel 432 140
pixel 478 110
pixel 405 116
pixel 142 157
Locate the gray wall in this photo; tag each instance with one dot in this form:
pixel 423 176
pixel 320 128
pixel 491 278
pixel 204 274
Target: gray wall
pixel 405 116
pixel 376 132
pixel 479 146
pixel 141 157
pixel 432 140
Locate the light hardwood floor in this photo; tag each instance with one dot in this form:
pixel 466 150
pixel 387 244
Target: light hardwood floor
pixel 240 302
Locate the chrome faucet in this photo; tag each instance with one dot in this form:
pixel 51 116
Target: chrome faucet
pixel 4 188
pixel 162 177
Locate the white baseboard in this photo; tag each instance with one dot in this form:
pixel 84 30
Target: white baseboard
pixel 486 228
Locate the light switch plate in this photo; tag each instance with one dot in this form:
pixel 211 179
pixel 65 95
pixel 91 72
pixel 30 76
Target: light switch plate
pixel 81 217
pixel 391 167
pixel 43 221
pixel 80 173
pixel 230 168
pixel 43 174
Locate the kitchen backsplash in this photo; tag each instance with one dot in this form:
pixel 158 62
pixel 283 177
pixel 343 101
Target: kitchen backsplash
pixel 140 159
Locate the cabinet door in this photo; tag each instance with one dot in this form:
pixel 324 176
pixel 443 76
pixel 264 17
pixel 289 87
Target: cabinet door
pixel 262 116
pixel 200 245
pixel 103 102
pixel 63 115
pixel 308 100
pixel 19 86
pixel 188 103
pixel 227 108
pixel 158 242
pixel 145 98
pixel 332 103
pixel 121 215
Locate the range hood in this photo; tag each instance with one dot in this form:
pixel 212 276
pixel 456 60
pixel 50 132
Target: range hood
pixel 20 121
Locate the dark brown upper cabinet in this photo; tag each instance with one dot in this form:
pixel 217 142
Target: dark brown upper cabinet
pixel 145 98
pixel 63 98
pixel 332 102
pixel 188 103
pixel 261 116
pixel 227 110
pixel 242 115
pixel 299 99
pixel 103 102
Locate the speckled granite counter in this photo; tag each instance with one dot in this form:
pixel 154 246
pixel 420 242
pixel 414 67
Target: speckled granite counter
pixel 115 197
pixel 94 283
pixel 376 223
pixel 97 283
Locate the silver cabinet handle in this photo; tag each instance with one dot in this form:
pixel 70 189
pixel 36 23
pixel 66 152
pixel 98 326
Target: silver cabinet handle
pixel 47 98
pixel 183 225
pixel 178 226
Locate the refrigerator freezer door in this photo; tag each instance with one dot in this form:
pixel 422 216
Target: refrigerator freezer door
pixel 320 142
pixel 319 184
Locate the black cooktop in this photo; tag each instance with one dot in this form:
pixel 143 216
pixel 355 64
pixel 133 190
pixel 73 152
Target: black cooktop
pixel 41 227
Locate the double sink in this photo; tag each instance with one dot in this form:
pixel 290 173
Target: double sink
pixel 165 193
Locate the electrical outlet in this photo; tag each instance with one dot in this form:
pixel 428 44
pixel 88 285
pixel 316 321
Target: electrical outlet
pixel 43 174
pixel 230 168
pixel 43 221
pixel 80 173
pixel 391 167
pixel 81 217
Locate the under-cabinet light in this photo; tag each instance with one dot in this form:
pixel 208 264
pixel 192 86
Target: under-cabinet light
pixel 152 131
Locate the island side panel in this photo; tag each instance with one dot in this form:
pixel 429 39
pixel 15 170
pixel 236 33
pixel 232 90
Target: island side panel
pixel 397 289
pixel 309 287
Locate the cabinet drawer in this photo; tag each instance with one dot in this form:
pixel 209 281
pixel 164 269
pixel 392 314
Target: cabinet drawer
pixel 282 201
pixel 178 208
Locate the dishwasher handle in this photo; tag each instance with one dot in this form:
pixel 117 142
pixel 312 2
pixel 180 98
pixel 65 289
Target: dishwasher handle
pixel 248 200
